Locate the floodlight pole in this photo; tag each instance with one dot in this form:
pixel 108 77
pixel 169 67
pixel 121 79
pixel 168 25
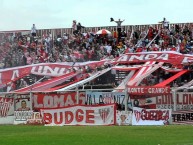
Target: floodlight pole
pixel 30 96
pixel 126 98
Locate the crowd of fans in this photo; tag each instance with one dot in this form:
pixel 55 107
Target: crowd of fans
pixel 19 50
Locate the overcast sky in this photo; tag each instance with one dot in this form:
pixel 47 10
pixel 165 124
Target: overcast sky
pixel 21 14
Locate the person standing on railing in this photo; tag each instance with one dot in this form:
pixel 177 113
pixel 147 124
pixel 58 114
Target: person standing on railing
pixel 33 32
pixel 74 27
pixel 119 22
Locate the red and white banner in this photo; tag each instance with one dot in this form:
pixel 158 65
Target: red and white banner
pixel 184 101
pixel 137 78
pixel 151 90
pixel 44 69
pixel 169 57
pixel 169 80
pixel 151 116
pixel 47 84
pixel 13 74
pixel 80 115
pixel 55 100
pixel 5 106
pixel 143 102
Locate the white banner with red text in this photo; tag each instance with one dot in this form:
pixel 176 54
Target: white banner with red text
pixel 143 116
pixel 80 115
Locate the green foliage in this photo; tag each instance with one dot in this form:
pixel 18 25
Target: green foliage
pixel 96 135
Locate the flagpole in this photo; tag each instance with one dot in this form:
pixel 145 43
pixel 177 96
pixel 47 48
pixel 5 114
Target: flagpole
pixel 30 96
pixel 174 99
pixel 77 95
pixel 126 98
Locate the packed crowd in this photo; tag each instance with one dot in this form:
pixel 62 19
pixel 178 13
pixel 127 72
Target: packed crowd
pixel 19 50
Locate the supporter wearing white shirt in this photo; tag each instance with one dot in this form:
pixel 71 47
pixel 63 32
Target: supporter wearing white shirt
pixel 165 23
pixel 65 36
pixel 108 49
pixel 161 41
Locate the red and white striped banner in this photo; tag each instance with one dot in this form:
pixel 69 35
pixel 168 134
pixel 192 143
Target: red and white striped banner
pixel 5 105
pixel 146 67
pixel 43 69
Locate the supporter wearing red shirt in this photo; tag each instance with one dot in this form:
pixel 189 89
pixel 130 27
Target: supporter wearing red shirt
pixel 182 47
pixel 150 34
pixel 154 47
pixel 173 48
pixel 42 55
pixel 20 42
pixel 78 55
pixel 90 53
pixel 139 49
pixel 33 45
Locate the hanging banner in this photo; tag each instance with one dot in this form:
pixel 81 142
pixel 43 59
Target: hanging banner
pixel 169 57
pixel 182 117
pixel 151 116
pixel 47 84
pixel 80 115
pixel 22 102
pixel 44 69
pixel 59 69
pixel 35 119
pixel 16 73
pixel 123 117
pixel 27 117
pixel 184 101
pixel 55 100
pixel 6 107
pixel 94 98
pixel 151 90
pixel 23 115
pixel 143 102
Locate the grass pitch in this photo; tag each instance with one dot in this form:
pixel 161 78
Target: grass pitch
pixel 96 135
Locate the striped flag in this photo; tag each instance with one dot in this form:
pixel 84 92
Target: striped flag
pixel 5 105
